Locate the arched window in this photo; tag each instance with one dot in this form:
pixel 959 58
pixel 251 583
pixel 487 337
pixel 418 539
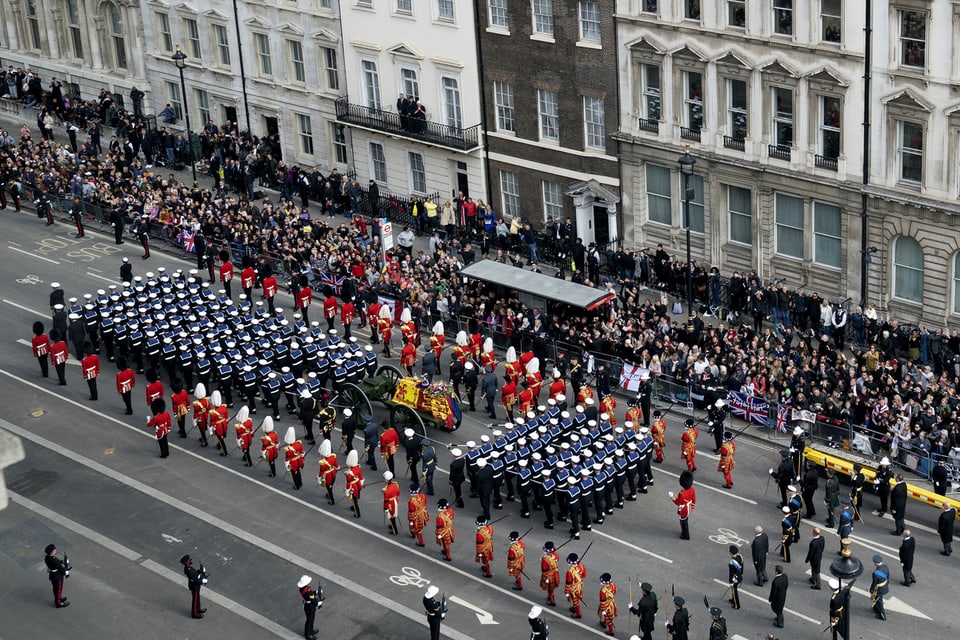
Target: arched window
pixel 115 24
pixel 907 269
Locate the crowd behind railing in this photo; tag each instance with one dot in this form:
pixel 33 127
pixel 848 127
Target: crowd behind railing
pixel 871 382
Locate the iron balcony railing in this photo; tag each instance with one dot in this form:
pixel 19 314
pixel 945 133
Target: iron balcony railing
pixel 408 127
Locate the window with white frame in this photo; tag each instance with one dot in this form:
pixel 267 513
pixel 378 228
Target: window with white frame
pixel 594 132
pixel 298 72
pixel 174 98
pixel 418 174
pixel 650 76
pixel 330 68
pixel 590 21
pixel 907 269
pixel 192 31
pixel 913 38
pixel 691 9
pixel 783 17
pixel 222 40
pixel 789 225
pixel 509 193
pixel 264 59
pixel 549 113
pixel 409 82
pixel 693 100
pixel 829 123
pixel 910 151
pixel 737 14
pixel 543 17
pixel 649 6
pixel 782 116
pixel 827 235
pixel 404 6
pixel 497 13
pixel 203 105
pixel 367 4
pixel 503 101
pixel 956 283
pixel 697 220
pixel 33 22
pixel 737 108
pixel 831 21
pixel 740 217
pixel 76 30
pixel 371 83
pixel 552 199
pixel 378 162
pixel 452 112
pixel 304 134
pixel 163 26
pixel 659 198
pixel 326 4
pixel 446 11
pixel 118 35
pixel 339 143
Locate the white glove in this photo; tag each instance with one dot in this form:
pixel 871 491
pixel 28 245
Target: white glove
pixel 667 624
pixel 66 574
pixel 771 470
pixel 210 431
pixel 670 493
pixel 287 464
pixel 149 418
pixel 346 492
pixel 876 481
pixel 263 454
pixel 411 523
pixel 240 443
pixel 204 581
pixel 320 480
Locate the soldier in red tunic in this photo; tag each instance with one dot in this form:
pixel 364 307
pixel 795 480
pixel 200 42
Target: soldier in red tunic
pixel 573 586
pixel 270 445
pixel 688 445
pixel 408 330
pixel 59 353
pixel 90 365
pixel 226 272
pixel 248 277
pixel 534 378
pixel 408 357
pixel 244 427
pixel 385 328
pixel 558 386
pixel 219 417
pixel 41 348
pixel 608 405
pixel 488 358
pixel 293 455
pixel 304 299
pixel 270 287
pixel 436 342
pixel 417 516
pixel 181 406
pixel 389 443
pixel 354 478
pixel 327 475
pixel 607 607
pixel 508 395
pixel 154 386
pixel 512 368
pixel 201 409
pixel 727 449
pixel 445 532
pixel 686 500
pixel 331 307
pixel 550 572
pixel 516 560
pixel 634 415
pixel 347 313
pixel 484 555
pixel 391 501
pixel 126 380
pixel 462 351
pixel 161 422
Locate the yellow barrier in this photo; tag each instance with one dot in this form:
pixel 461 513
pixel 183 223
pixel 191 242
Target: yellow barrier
pixel 844 466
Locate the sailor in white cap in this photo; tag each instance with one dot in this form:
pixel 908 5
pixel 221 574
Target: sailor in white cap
pixel 411 445
pixel 538 626
pixel 457 475
pixel 435 609
pixel 797 445
pixel 311 600
pixel 882 482
pixel 715 417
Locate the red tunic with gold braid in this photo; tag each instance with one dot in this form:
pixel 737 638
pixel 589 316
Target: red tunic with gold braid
pixel 584 393
pixel 444 523
pixel 608 405
pixel 417 515
pixel 512 370
pixel 573 587
pixel 688 446
pixel 436 344
pixel 634 415
pixel 270 445
pixel 558 387
pixel 244 434
pixel 516 560
pixel 328 470
pixel 488 359
pixel 607 607
pixel 550 571
pixel 484 544
pixel 409 332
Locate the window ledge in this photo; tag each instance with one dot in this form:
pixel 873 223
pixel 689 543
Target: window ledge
pixel 589 44
pixel 403 15
pixel 511 134
pixel 500 31
pixel 444 22
pixel 542 37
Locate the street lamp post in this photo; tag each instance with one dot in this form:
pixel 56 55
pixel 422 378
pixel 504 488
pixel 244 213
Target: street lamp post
pixel 687 163
pixel 846 567
pixel 180 59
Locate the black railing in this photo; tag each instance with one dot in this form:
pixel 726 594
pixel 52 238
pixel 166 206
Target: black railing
pixel 734 143
pixel 393 207
pixel 779 151
pixel 646 124
pixel 416 128
pixel 823 162
pixel 690 134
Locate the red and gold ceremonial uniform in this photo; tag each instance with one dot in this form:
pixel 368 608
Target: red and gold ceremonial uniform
pixel 686 501
pixel 201 410
pixel 508 395
pixel 573 587
pixel 391 504
pixel 90 366
pixel 488 359
pixel 461 353
pixel 354 486
pixel 607 607
pixel 218 418
pixel 526 401
pixel 608 405
pixel 389 442
pixel 550 575
pixel 526 357
pixel 534 382
pixel 408 330
pixel 659 431
pixel 270 450
pixel 385 327
pixel 154 390
pixel 327 474
pixel 417 516
pixel 584 393
pixel 161 422
pixel 445 532
pixel 41 349
pixel 304 300
pixel 726 462
pixel 181 407
pixel 558 387
pixel 408 357
pixel 330 307
pixel 293 455
pixel 347 312
pixel 517 562
pixel 475 345
pixel 269 287
pixel 436 344
pixel 226 271
pixel 484 554
pixel 512 370
pixel 248 277
pixel 245 439
pixel 688 447
pixel 634 416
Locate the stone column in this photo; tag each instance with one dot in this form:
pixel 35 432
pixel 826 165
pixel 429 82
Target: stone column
pixel 53 16
pixel 13 19
pixel 96 40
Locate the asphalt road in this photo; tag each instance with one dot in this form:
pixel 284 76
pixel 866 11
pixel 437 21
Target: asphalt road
pixel 93 483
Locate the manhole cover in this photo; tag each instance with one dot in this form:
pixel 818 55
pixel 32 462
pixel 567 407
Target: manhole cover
pixel 37 413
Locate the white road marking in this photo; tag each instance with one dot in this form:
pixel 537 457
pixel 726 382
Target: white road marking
pixel 32 255
pixel 134 556
pixel 891 603
pixel 27 309
pixel 484 617
pixel 743 592
pixel 725 492
pixel 99 277
pixel 264 544
pixel 631 546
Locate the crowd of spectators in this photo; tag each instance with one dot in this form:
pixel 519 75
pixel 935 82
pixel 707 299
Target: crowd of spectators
pixel 898 384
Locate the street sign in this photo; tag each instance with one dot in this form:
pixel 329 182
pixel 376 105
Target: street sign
pixel 386 235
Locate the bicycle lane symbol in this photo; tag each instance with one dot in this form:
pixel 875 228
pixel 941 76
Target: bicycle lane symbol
pixel 410 578
pixel 29 279
pixel 727 537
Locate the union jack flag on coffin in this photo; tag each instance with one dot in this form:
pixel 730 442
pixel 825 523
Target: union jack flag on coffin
pixel 333 281
pixel 749 408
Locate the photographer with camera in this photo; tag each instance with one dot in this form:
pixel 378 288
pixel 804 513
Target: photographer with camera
pixel 196 578
pixel 57 570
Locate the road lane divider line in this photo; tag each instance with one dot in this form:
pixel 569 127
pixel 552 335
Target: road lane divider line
pixel 32 255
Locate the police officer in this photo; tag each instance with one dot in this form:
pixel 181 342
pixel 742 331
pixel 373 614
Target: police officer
pixel 436 611
pixel 57 571
pixel 311 601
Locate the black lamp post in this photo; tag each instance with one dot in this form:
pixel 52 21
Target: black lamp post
pixel 180 59
pixel 687 163
pixel 846 567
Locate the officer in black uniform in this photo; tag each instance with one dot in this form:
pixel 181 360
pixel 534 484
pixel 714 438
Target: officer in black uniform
pixel 196 578
pixel 715 418
pixel 457 476
pixel 428 457
pixel 126 271
pixel 436 611
pixel 538 626
pixel 57 571
pixel 312 599
pixel 116 222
